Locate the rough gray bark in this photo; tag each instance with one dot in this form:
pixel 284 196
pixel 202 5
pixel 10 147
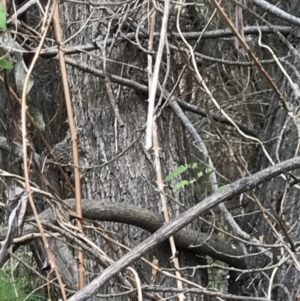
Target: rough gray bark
pixel 131 179
pixel 173 226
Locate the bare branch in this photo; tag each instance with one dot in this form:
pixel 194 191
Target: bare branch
pixel 214 34
pixel 128 214
pixel 272 9
pixel 173 226
pixel 143 88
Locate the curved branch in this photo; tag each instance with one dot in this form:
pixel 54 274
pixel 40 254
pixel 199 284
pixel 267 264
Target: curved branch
pixel 143 218
pixel 184 219
pixel 272 9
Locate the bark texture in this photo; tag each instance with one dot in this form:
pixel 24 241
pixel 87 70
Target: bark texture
pixel 130 179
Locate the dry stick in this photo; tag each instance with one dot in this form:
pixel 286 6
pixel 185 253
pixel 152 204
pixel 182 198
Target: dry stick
pixel 212 176
pixel 157 161
pixel 154 82
pixel 21 10
pixel 139 87
pixel 268 7
pixel 232 190
pixel 185 66
pixel 214 34
pixel 138 283
pixel 251 54
pixel 31 120
pixel 45 27
pixel 156 152
pixel 73 132
pixel 151 24
pixel 160 184
pixel 150 48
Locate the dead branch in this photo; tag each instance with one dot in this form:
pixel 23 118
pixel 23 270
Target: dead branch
pixel 232 190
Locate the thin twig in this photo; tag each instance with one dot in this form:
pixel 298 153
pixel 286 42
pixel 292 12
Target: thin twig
pixel 251 54
pixel 73 132
pixel 32 122
pixel 45 27
pixel 175 225
pixel 164 206
pixel 154 82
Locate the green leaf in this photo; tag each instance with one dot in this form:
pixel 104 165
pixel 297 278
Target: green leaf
pixel 192 181
pixel 200 174
pixel 208 170
pixel 181 184
pixel 177 171
pixel 221 188
pixel 205 172
pixel 194 165
pixel 5 64
pixel 2 18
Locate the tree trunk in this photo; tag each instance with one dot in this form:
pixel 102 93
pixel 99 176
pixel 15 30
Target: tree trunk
pixel 131 179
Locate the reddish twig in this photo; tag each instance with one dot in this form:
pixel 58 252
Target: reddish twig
pixel 45 27
pixel 73 131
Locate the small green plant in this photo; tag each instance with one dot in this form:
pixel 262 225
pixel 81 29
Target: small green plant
pixel 16 290
pixel 194 166
pixel 4 63
pixel 182 168
pixel 2 18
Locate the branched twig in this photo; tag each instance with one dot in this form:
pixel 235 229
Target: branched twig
pixel 45 26
pixel 143 88
pixel 31 120
pixel 251 54
pixel 274 10
pixel 220 33
pixel 172 227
